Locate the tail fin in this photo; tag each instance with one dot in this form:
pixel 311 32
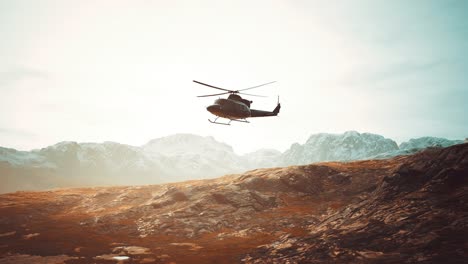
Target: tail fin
pixel 277 108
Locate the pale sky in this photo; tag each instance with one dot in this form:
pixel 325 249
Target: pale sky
pixel 93 71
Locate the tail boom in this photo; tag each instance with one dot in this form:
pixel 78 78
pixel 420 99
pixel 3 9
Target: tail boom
pixel 261 113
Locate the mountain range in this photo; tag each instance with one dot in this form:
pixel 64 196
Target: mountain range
pixel 182 157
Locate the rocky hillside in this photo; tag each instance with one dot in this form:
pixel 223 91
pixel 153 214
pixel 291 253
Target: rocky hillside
pixel 409 209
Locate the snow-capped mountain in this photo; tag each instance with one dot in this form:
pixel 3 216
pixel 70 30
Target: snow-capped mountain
pixel 426 142
pixel 417 144
pixel 111 155
pixel 263 158
pixel 86 163
pixel 23 158
pixel 183 144
pixel 192 156
pixel 173 158
pixel 181 157
pixel 350 145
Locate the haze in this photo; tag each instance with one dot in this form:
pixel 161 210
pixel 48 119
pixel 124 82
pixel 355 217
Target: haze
pixel 93 71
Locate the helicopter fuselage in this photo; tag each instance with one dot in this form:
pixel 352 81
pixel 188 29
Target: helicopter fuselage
pixel 229 108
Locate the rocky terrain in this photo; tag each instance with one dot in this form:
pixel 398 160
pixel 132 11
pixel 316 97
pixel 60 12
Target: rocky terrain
pixel 181 157
pixel 407 209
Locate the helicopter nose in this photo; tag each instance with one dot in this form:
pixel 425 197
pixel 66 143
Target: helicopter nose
pixel 213 108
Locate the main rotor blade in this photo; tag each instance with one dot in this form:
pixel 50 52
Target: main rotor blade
pixel 254 95
pixel 256 86
pixel 212 86
pixel 212 94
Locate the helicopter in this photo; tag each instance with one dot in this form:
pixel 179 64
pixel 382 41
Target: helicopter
pixel 236 108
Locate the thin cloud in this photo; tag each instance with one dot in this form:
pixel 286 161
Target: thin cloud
pixel 7 77
pixel 15 132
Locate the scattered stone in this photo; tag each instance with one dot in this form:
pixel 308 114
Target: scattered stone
pixel 192 246
pixel 29 236
pixel 8 234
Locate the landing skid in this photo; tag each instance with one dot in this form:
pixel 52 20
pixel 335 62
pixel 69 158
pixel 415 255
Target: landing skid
pixel 240 120
pixel 228 123
pixel 214 122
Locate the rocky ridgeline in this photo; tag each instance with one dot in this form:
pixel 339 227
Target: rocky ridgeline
pixel 402 210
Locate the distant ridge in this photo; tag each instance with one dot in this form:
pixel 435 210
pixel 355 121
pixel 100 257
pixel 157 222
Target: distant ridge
pixel 350 145
pixel 182 157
